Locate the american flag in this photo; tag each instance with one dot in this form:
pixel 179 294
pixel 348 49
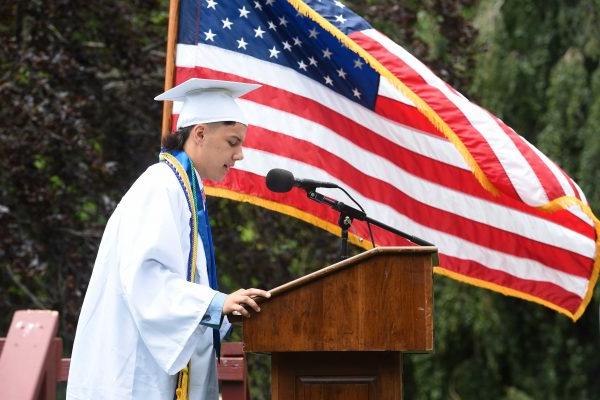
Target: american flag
pixel 341 102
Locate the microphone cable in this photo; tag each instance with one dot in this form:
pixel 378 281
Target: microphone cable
pixel 363 210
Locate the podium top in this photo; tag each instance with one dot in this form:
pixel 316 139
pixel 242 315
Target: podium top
pixel 323 272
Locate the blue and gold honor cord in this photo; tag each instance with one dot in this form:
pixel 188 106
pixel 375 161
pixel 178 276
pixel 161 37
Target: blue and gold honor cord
pixel 182 391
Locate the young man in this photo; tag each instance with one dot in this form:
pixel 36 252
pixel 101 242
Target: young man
pixel 152 318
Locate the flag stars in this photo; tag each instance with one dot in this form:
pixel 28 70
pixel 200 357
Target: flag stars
pixel 227 23
pixel 273 52
pixel 288 50
pixel 340 18
pixel 258 32
pixel 210 35
pixel 243 12
pixel 242 43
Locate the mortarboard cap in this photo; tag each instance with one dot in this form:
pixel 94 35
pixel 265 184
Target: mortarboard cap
pixel 208 100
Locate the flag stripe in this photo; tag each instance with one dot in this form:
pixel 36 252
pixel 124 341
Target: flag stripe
pixel 448 244
pixel 442 176
pixel 549 292
pixel 260 71
pixel 406 115
pixel 245 182
pixel 437 172
pixel 417 188
pixel 385 193
pixel 467 119
pixel 260 162
pixel 553 183
pixel 546 177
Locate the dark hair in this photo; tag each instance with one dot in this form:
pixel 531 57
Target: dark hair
pixel 176 140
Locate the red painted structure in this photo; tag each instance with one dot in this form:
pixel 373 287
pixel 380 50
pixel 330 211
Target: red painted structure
pixel 31 362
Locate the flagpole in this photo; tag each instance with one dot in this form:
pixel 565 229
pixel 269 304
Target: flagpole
pixel 170 64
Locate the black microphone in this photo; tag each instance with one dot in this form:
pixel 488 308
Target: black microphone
pixel 281 180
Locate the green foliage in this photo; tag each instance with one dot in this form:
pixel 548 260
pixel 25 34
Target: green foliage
pixel 568 98
pixel 428 31
pixel 589 167
pixel 77 128
pixel 496 347
pixel 434 31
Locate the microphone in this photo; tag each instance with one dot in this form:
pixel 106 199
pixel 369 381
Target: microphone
pixel 281 180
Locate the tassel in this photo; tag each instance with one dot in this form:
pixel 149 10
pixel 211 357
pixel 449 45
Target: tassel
pixel 182 391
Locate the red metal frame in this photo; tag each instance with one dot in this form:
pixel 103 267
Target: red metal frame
pixel 31 360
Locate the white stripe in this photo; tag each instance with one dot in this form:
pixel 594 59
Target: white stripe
pixel 567 188
pixel 518 170
pixel 417 188
pixel 278 76
pixel 560 177
pixel 388 90
pixel 259 163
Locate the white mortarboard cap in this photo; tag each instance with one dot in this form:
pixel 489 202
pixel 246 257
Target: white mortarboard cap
pixel 208 100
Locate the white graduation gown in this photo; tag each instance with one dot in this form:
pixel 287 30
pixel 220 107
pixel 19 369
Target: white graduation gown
pixel 140 320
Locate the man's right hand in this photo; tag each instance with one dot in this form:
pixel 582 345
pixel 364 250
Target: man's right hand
pixel 236 301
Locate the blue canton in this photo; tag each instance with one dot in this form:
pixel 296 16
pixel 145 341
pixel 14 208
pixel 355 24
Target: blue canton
pixel 273 31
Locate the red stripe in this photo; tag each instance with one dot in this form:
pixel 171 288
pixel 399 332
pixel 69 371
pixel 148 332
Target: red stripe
pixel 549 292
pixel 571 183
pixel 452 115
pixel 424 167
pixel 439 172
pixel 252 184
pixel 405 114
pixel 444 221
pixel 551 185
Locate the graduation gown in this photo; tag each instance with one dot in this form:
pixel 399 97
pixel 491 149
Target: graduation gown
pixel 140 320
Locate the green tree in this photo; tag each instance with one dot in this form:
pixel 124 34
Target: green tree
pixel 76 128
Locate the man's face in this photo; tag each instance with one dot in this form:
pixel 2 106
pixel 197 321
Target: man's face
pixel 218 147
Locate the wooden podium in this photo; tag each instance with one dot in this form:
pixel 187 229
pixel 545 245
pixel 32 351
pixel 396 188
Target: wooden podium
pixel 339 333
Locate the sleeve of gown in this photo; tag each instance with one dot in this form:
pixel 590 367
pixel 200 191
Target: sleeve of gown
pixel 214 314
pixel 166 308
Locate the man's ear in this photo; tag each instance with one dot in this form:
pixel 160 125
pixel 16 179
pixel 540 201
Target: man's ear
pixel 198 132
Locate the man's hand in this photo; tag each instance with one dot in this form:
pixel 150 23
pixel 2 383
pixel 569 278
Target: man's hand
pixel 235 302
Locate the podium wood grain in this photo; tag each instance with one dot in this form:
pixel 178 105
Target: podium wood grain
pixel 336 376
pixel 339 332
pixel 378 300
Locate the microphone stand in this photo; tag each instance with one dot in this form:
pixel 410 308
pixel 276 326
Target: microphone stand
pixel 348 213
